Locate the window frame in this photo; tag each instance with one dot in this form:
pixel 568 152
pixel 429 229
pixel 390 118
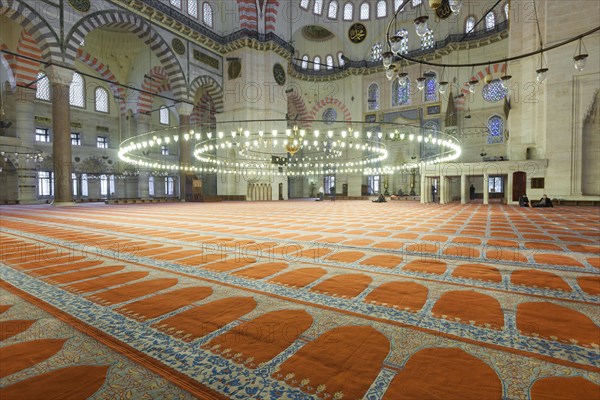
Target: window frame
pixel 188 8
pixel 101 89
pixel 385 12
pixel 43 82
pixel 75 139
pixel 378 99
pixel 487 27
pixel 366 6
pixel 45 182
pixel 320 4
pixel 71 91
pixel 45 134
pixel 489 137
pixel 210 23
pixel 102 142
pixel 317 63
pixel 348 7
pixel 337 9
pixel 473 19
pixel 161 116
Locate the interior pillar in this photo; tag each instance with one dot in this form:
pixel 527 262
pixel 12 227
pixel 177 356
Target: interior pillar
pixel 486 189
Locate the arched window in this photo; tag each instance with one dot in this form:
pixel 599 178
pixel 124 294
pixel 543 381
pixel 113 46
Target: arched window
pixel 151 186
pixel 340 59
pixel 397 4
pixel 101 99
pixel 76 91
pixel 506 10
pixel 318 7
pixel 490 21
pixel 495 127
pixel 333 9
pixel 494 91
pixel 317 63
pixel 329 62
pixel 403 33
pixel 381 9
pixel 376 51
pixel 430 92
pixel 207 14
pixel 469 24
pixel 400 92
pixel 304 4
pixel 304 61
pixel 373 97
pixel 192 8
pixel 176 3
pixel 348 11
pixel 427 40
pixel 42 91
pixel 365 11
pixel 163 116
pixel 416 2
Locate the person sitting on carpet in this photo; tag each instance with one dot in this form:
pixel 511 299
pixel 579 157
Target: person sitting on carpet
pixel 524 201
pixel 380 199
pixel 544 202
pixel 397 196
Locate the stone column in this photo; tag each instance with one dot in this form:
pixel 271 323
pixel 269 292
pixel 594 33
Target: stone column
pixel 424 193
pixel 463 189
pixel 143 126
pixel 185 153
pixel 60 80
pixel 25 124
pixel 486 188
pixel 443 187
pixel 508 188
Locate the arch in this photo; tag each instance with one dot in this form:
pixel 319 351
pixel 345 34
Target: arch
pixel 248 14
pixel 7 64
pixel 30 20
pixel 212 87
pixel 153 83
pixel 104 71
pixel 204 112
pixel 142 30
pixel 271 15
pixel 25 69
pixel 328 101
pixel 459 102
pixel 295 100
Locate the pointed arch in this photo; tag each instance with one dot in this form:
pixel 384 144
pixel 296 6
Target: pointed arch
pixel 30 20
pixel 295 101
pixel 143 30
pixel 8 64
pixel 102 69
pixel 493 69
pixel 212 87
pixel 26 68
pixel 330 101
pixel 155 81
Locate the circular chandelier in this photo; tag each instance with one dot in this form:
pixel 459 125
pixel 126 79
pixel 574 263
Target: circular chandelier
pixel 444 9
pixel 307 147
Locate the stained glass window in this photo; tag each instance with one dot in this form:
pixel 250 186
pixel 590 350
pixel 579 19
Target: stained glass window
pixel 101 99
pixel 304 62
pixel 427 41
pixel 365 11
pixel 329 116
pixel 207 14
pixel 192 8
pixel 495 127
pixel 400 93
pixel 404 42
pixel 381 9
pixel 318 7
pixel 317 63
pixel 42 91
pixel 163 115
pixel 431 87
pixel 470 24
pixel 494 91
pixel 490 21
pixel 333 9
pixel 373 97
pixel 376 52
pixel 76 92
pixel 329 62
pixel 348 11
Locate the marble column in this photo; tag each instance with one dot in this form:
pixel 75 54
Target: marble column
pixel 60 80
pixel 185 153
pixel 486 188
pixel 25 124
pixel 508 189
pixel 424 192
pixel 463 189
pixel 442 189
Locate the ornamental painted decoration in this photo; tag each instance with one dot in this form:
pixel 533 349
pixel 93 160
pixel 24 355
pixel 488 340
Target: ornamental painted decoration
pixel 357 33
pixel 178 46
pixel 80 5
pixel 279 74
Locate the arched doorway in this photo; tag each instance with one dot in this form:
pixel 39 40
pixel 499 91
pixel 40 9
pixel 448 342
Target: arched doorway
pixel 519 185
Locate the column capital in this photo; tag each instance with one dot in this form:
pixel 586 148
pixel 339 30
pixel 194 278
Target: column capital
pixel 59 74
pixel 184 109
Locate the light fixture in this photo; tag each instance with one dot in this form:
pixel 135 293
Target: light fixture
pixel 580 58
pixel 443 84
pixel 541 72
pixel 455 5
pixel 388 57
pixel 421 25
pixel 389 73
pixel 402 78
pixel 396 44
pixel 421 82
pixel 506 77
